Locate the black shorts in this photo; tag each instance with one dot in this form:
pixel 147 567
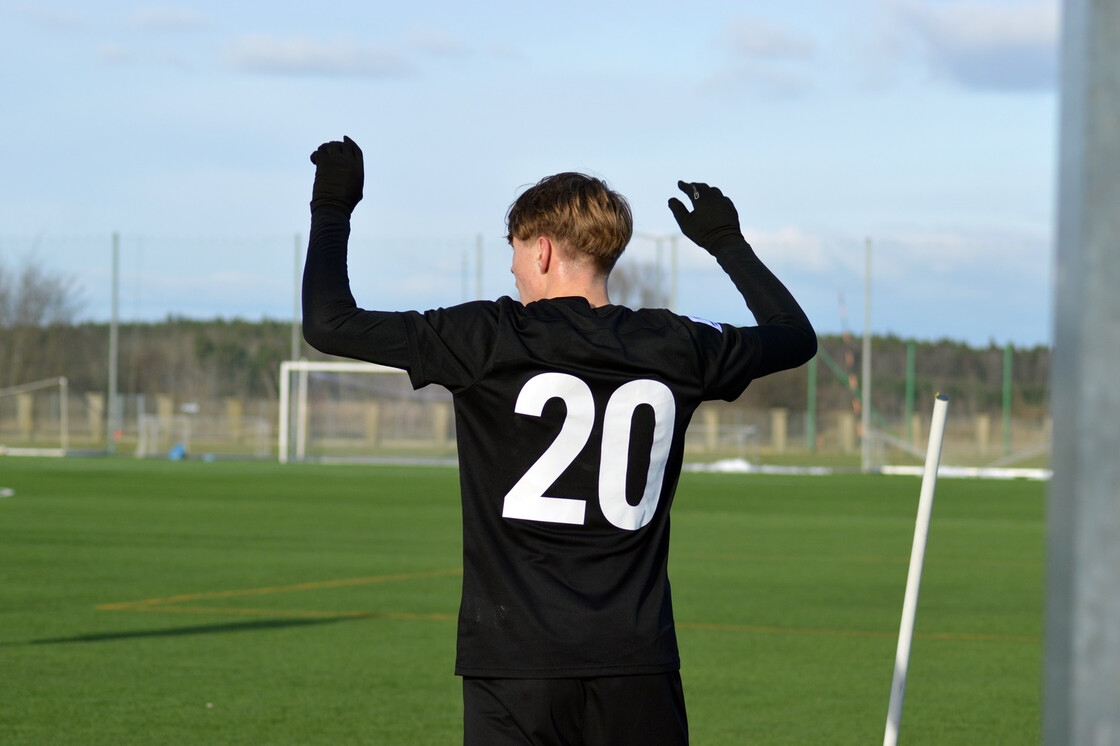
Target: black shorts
pixel 607 711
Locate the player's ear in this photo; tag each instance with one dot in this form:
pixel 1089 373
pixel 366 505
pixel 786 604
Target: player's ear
pixel 544 254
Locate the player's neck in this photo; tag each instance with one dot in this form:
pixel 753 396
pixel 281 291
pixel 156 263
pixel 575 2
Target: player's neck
pixel 594 291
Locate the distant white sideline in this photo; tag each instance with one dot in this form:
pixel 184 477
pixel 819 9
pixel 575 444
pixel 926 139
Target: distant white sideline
pixel 741 466
pixel 974 472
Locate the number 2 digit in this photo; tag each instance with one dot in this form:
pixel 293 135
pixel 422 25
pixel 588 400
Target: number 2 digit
pixel 527 500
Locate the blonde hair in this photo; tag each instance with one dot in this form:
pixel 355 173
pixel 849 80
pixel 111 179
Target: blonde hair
pixel 579 212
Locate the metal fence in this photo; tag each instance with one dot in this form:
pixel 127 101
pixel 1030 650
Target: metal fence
pixel 385 419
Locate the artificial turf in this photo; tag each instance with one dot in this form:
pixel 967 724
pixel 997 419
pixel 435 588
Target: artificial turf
pixel 252 603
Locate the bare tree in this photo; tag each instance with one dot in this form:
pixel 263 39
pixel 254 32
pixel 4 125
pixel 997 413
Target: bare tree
pixel 32 300
pixel 637 285
pixel 35 296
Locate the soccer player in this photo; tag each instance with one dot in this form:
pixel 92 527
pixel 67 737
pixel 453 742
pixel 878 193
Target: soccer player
pixel 570 415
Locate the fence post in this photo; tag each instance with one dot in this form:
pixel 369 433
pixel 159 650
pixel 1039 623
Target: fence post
pixel 373 422
pixel 711 428
pixel 983 433
pixel 846 423
pixel 235 415
pixel 811 415
pixel 441 422
pixel 779 429
pixel 95 411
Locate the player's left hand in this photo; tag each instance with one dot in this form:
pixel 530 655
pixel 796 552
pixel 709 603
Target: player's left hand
pixel 339 175
pixel 713 221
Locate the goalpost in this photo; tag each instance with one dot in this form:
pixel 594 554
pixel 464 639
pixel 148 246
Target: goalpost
pixel 25 397
pixel 359 412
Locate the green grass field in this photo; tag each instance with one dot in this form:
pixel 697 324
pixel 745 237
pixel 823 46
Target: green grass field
pixel 249 603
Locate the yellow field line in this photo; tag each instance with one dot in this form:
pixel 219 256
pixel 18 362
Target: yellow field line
pixel 288 613
pixel 346 582
pixel 172 604
pixel 751 629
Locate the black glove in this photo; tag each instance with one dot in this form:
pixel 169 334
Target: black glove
pixel 339 175
pixel 713 222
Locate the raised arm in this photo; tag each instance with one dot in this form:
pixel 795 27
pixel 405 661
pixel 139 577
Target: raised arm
pixel 332 321
pixel 713 224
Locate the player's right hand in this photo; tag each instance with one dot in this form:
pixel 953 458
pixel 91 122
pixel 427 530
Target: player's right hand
pixel 339 175
pixel 713 222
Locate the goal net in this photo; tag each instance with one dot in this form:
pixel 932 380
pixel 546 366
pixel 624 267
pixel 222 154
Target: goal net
pixel 166 435
pixel 34 418
pixel 348 411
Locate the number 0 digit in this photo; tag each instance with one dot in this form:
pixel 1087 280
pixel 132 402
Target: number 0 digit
pixel 615 459
pixel 527 500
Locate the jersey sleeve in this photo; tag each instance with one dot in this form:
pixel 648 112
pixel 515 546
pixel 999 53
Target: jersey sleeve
pixel 783 338
pixel 729 358
pixel 452 346
pixel 332 321
pixel 445 346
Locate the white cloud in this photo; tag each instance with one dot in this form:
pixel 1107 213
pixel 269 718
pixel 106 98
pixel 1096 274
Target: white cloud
pixel 117 54
pixel 988 45
pixel 55 20
pixel 303 56
pixel 768 82
pixel 901 256
pixel 114 54
pixel 505 51
pixel 794 249
pixel 345 57
pixel 791 249
pixel 760 39
pixel 439 44
pixel 985 255
pixel 168 19
pixel 766 60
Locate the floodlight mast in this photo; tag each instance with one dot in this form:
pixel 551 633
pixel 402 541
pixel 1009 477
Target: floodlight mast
pixel 297 276
pixel 1082 647
pixel 112 419
pixel 674 262
pixel 865 364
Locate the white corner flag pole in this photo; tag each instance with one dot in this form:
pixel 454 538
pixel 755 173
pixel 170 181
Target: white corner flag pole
pixel 914 579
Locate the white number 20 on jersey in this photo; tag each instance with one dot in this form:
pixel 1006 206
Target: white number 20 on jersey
pixel 527 499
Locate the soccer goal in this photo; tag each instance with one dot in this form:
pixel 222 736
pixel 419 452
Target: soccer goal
pixel 34 418
pixel 351 411
pixel 225 436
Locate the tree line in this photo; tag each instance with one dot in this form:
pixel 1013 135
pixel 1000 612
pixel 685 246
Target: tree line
pixel 213 359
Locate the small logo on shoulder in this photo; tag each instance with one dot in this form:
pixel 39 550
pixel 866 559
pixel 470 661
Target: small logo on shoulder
pixel 718 327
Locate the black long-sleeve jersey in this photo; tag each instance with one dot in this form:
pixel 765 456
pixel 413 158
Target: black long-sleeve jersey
pixel 571 425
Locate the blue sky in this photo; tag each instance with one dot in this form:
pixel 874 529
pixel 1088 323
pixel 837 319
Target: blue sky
pixel 928 127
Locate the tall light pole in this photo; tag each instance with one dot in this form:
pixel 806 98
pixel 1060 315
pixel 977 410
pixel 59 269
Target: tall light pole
pixel 1082 647
pixel 865 408
pixel 296 301
pixel 673 271
pixel 478 267
pixel 112 419
pixel 659 240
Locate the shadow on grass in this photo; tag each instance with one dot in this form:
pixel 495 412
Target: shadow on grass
pixel 202 629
